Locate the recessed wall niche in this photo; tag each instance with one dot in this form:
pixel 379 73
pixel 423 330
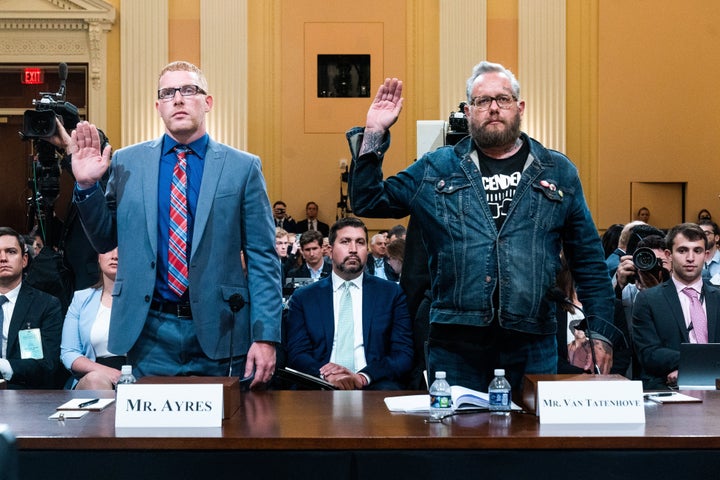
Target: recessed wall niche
pixel 343 76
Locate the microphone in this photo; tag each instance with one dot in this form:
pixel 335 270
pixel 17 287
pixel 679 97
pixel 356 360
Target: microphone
pixel 63 74
pixel 557 295
pixel 236 302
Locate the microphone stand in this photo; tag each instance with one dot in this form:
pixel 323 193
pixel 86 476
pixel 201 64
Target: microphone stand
pixel 236 302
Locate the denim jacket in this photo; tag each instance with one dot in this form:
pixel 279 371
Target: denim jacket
pixel 468 257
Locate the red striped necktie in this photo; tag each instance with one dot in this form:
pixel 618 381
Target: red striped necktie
pixel 177 245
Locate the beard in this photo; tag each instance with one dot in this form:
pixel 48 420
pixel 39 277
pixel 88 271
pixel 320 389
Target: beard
pixel 485 137
pixel 343 267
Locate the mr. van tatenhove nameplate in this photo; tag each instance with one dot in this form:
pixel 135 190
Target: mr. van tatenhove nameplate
pixel 590 402
pixel 186 405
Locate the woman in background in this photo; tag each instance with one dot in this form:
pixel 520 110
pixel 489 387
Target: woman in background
pixel 84 349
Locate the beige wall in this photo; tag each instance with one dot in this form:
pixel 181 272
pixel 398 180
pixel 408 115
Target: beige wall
pixel 658 87
pixel 641 93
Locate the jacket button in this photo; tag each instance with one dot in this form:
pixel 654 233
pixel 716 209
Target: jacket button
pixel 147 298
pixel 152 265
pixel 488 279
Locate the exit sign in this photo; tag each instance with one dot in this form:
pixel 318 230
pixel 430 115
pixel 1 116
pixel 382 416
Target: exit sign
pixel 32 76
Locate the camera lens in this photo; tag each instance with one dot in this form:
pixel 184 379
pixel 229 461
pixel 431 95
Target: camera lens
pixel 644 259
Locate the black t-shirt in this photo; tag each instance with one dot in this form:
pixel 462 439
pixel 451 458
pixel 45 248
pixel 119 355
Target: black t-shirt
pixel 500 180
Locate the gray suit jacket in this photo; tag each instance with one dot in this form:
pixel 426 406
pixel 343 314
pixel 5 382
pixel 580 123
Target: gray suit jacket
pixel 233 216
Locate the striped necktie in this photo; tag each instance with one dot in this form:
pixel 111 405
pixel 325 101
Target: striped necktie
pixel 177 245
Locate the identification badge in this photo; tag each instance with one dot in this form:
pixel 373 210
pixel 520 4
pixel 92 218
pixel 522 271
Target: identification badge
pixel 30 344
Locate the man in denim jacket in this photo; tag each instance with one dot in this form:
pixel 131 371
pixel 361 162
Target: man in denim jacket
pixel 494 212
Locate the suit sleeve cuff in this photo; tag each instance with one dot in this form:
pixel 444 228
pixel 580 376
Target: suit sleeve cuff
pixel 81 194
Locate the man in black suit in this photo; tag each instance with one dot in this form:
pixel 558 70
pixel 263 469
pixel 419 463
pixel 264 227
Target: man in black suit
pixel 312 222
pixel 31 321
pixel 282 219
pixel 683 309
pixel 311 249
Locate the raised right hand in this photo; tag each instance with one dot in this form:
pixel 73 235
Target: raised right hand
pixel 89 164
pixel 386 107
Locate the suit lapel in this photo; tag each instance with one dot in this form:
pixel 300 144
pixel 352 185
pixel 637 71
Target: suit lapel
pixel 327 313
pixel 150 190
pixel 214 161
pixel 368 306
pixel 712 307
pixel 671 296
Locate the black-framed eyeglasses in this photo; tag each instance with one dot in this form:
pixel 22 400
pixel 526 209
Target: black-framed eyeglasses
pixel 502 101
pixel 186 91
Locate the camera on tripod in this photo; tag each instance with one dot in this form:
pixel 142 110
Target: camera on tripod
pixel 40 123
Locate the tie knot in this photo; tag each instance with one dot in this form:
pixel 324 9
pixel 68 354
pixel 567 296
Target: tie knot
pixel 347 285
pixel 690 292
pixel 3 299
pixel 181 151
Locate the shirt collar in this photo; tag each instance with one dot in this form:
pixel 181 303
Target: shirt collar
pixel 697 285
pixel 338 282
pixel 13 294
pixel 198 147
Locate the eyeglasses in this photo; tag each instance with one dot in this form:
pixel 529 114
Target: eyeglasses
pixel 502 101
pixel 168 93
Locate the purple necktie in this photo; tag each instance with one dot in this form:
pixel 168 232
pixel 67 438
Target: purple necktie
pixel 698 319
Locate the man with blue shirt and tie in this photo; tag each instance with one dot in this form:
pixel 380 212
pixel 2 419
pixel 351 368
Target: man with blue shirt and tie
pixel 182 210
pixel 351 328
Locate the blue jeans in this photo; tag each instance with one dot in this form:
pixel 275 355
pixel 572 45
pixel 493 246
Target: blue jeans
pixel 168 346
pixel 469 355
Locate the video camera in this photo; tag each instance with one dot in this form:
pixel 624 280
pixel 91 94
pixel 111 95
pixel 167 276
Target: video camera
pixel 457 125
pixel 40 123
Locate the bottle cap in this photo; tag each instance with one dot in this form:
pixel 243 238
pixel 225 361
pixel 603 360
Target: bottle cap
pixel 499 372
pixel 126 370
pixel 439 374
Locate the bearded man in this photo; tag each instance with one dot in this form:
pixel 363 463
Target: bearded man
pixel 494 211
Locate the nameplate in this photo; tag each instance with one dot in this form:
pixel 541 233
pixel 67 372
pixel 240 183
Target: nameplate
pixel 570 402
pixel 188 405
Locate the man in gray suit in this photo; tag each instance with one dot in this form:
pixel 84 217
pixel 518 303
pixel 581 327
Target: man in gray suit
pixel 183 210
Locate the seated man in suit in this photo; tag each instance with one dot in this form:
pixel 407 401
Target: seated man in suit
pixel 352 329
pixel 683 309
pixel 311 250
pixel 31 321
pixel 312 222
pixel 378 262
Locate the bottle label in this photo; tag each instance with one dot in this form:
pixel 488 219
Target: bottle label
pixel 499 398
pixel 440 401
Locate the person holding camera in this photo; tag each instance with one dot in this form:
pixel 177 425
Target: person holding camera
pixel 282 219
pixel 683 309
pixel 183 211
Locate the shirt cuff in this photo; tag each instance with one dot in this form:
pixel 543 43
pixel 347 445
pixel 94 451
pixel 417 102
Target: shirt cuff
pixel 5 369
pixel 82 194
pixel 367 377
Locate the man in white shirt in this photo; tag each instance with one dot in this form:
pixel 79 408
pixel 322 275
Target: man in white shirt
pixel 31 321
pixel 350 328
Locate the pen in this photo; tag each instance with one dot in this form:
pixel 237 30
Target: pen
pixel 88 403
pixel 660 394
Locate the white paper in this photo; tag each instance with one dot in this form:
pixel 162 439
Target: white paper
pixel 583 402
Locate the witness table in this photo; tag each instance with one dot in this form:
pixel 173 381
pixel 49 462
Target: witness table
pixel 339 435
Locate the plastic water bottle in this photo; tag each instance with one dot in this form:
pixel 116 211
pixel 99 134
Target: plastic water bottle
pixel 126 375
pixel 499 394
pixel 440 399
